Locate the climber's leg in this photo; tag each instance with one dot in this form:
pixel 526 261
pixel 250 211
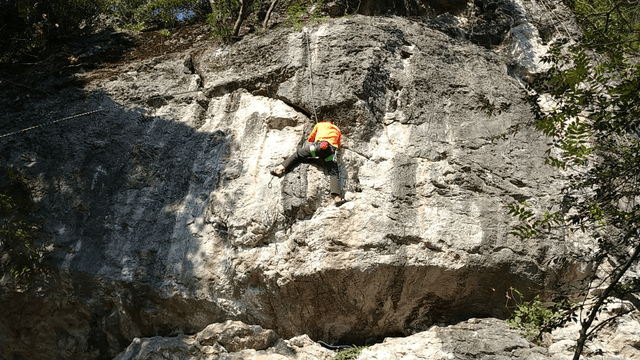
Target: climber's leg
pixel 334 179
pixel 293 160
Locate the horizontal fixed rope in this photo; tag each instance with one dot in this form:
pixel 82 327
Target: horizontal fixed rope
pixel 91 112
pixel 56 121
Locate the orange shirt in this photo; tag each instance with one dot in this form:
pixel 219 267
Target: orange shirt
pixel 326 131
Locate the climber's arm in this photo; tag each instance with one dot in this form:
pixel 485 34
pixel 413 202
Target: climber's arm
pixel 312 136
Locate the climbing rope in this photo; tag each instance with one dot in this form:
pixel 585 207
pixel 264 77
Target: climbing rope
pixel 334 347
pixel 55 121
pixel 51 122
pixel 41 125
pixel 313 106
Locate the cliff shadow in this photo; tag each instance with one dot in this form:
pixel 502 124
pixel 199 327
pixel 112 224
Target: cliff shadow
pixel 115 186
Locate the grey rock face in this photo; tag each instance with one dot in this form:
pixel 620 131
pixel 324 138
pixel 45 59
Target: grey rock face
pixel 164 217
pixel 191 347
pixel 216 341
pixel 428 184
pixel 471 339
pixel 236 336
pixel 490 340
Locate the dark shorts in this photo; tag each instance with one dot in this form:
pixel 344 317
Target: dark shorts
pixel 304 153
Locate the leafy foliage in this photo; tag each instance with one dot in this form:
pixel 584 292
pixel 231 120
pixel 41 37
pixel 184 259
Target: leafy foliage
pixel 166 13
pixel 529 225
pixel 221 18
pixel 295 11
pixel 624 288
pixel 21 240
pixel 30 25
pixel 610 27
pixel 595 127
pixel 532 317
pixel 298 12
pixel 594 124
pixel 349 354
pixel 226 16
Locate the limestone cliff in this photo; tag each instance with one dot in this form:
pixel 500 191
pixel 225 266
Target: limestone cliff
pixel 164 218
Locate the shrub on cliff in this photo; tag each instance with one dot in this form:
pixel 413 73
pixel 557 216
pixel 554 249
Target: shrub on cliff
pixel 22 243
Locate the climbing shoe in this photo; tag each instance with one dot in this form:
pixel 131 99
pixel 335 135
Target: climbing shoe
pixel 278 172
pixel 339 201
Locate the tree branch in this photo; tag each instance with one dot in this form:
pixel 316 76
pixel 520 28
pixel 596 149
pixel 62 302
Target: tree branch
pixel 593 313
pixel 266 18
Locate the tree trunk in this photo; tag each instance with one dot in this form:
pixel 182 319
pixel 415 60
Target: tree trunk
pixel 241 16
pixel 266 18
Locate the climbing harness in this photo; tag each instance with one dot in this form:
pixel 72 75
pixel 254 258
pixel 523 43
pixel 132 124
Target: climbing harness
pixel 313 105
pixel 322 145
pixel 41 125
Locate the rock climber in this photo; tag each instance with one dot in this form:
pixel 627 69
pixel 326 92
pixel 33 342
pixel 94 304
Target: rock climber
pixel 322 143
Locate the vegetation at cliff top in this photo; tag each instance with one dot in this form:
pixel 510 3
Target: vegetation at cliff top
pixel 29 26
